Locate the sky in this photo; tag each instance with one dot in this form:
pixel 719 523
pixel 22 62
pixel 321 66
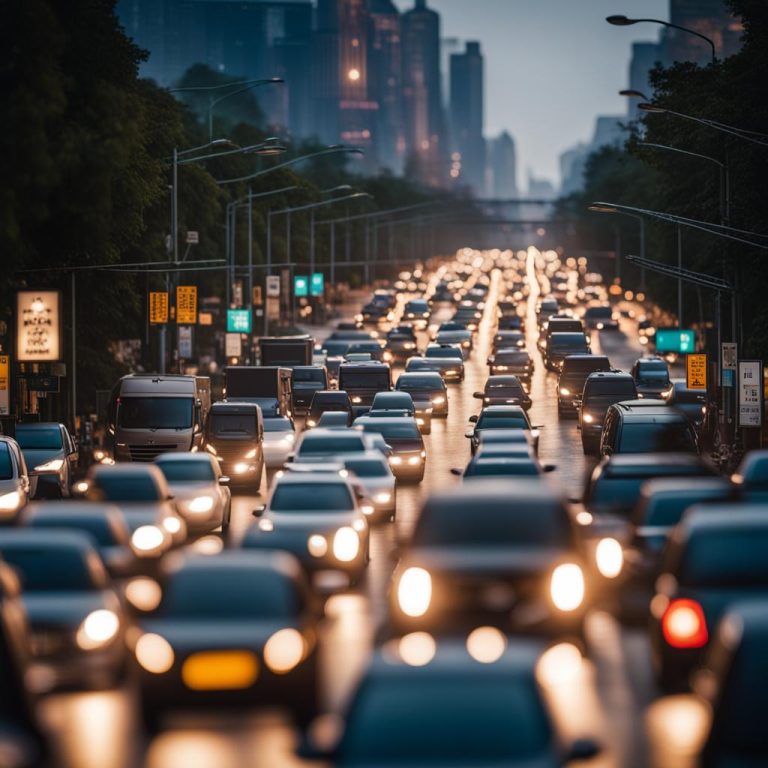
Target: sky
pixel 551 66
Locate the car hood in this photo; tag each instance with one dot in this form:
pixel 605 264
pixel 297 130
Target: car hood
pixel 37 456
pixel 65 607
pixel 486 560
pixel 400 445
pixel 310 521
pixel 185 491
pixel 215 633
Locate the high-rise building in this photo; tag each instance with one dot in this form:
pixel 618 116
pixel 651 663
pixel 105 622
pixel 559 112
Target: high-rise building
pixel 502 167
pixel 645 56
pixel 425 142
pixel 466 111
pixel 711 18
pixel 385 82
pixel 608 131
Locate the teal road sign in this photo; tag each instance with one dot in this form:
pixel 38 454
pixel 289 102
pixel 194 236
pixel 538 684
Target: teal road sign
pixel 675 340
pixel 239 321
pixel 317 284
pixel 300 286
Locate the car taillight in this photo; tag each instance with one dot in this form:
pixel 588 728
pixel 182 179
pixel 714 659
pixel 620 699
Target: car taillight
pixel 684 624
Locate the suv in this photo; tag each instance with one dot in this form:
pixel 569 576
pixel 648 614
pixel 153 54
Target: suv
pixel 601 318
pixel 573 375
pixel 651 375
pixel 601 390
pixel 631 428
pixel 561 345
pixel 327 400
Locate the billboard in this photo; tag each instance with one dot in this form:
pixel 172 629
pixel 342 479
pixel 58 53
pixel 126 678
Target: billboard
pixel 675 340
pixel 38 326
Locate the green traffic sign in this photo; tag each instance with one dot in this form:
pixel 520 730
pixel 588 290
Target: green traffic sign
pixel 239 321
pixel 317 284
pixel 675 340
pixel 300 286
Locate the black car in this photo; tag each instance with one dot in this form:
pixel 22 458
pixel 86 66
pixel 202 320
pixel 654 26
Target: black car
pixel 306 380
pixel 51 456
pixel 427 389
pixel 601 390
pixel 504 390
pixel 573 375
pixel 651 375
pixel 409 457
pixel 496 417
pixel 516 362
pixel 327 400
pixel 402 343
pixel 691 402
pixel 563 344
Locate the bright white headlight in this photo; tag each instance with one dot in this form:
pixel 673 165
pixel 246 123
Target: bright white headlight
pixel 610 558
pixel 147 538
pixel 346 544
pixel 97 629
pixel 9 502
pixel 201 504
pixel 567 587
pixel 414 592
pixel 54 465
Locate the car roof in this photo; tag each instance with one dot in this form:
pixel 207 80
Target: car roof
pixel 609 375
pixel 505 378
pixel 629 464
pixel 257 560
pixel 176 456
pixel 235 406
pixel 33 425
pixel 523 490
pixel 325 478
pixel 508 409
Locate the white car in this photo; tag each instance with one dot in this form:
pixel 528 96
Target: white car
pixel 279 441
pixel 14 480
pixel 199 490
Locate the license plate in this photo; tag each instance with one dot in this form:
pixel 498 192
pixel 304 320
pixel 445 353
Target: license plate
pixel 220 670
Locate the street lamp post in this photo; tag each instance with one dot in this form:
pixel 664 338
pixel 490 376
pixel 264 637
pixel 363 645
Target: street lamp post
pixel 253 84
pixel 623 21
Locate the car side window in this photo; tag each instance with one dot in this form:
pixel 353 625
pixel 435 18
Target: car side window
pixel 18 460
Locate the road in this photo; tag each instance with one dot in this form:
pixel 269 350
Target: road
pixel 612 688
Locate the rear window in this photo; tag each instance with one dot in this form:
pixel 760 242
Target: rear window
pixel 187 471
pixel 123 486
pixel 374 379
pixel 312 497
pixel 401 430
pixel 331 444
pixel 420 382
pixel 51 569
pixel 367 467
pixel 316 375
pixel 726 558
pixel 619 494
pixel 599 313
pixel 664 437
pixel 451 352
pixel 568 341
pixel 512 357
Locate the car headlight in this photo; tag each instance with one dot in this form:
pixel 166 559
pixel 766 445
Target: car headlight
pixel 143 593
pixel 97 629
pixel 567 587
pixel 438 400
pixel 465 344
pixel 147 539
pixel 565 391
pixel 346 544
pixel 367 509
pixel 317 546
pixel 284 650
pixel 251 454
pixel 154 653
pixel 588 418
pixel 357 399
pixel 409 345
pixel 501 367
pixel 420 421
pixel 311 423
pixel 414 460
pixel 414 592
pixel 242 467
pixel 382 498
pixel 395 460
pixel 10 502
pixel 609 557
pixel 387 356
pixel 199 505
pixel 54 465
pixel 600 326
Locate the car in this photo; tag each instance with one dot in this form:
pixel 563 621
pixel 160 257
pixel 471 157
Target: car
pixel 143 496
pixel 449 368
pixel 319 445
pixel 651 375
pixel 731 690
pixel 327 400
pixel 546 307
pixel 573 376
pixel 349 325
pixel 335 420
pixel 307 379
pixel 504 417
pixel 504 390
pixel 505 442
pixel 51 456
pixel 751 476
pixel 493 465
pixel 646 429
pixel 691 402
pixel 77 620
pixel 510 323
pixel 316 517
pixel 498 552
pixel 601 390
pixel 600 318
pixel 375 349
pixel 279 441
pixel 451 354
pixel 409 456
pixel 427 390
pixel 512 361
pixel 659 509
pixel 234 436
pixel 233 631
pixel 715 556
pixel 199 489
pixel 451 702
pixel 402 343
pixel 401 404
pixel 372 473
pixel 417 311
pixel 563 344
pixel 512 339
pixel 558 324
pixel 461 338
pixel 15 485
pixel 614 486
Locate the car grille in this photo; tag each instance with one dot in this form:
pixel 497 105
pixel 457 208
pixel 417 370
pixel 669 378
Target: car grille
pixel 150 452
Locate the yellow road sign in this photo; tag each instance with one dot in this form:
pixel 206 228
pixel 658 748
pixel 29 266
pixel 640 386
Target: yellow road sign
pixel 186 305
pixel 696 371
pixel 158 307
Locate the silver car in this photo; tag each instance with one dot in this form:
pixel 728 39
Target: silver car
pixel 279 441
pixel 51 455
pixel 371 472
pixel 14 480
pixel 199 490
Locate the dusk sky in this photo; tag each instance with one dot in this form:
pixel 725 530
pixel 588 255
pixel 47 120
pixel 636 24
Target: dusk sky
pixel 551 66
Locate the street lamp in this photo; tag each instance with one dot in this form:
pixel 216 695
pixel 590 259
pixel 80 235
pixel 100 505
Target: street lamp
pixel 623 21
pixel 253 84
pixel 633 94
pixel 612 209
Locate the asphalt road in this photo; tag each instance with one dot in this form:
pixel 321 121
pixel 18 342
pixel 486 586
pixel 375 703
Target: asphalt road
pixel 610 695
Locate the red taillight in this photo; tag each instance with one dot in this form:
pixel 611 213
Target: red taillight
pixel 684 625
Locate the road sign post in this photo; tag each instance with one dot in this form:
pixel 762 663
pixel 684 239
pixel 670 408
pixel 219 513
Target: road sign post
pixel 186 305
pixel 750 386
pixel 158 307
pixel 696 372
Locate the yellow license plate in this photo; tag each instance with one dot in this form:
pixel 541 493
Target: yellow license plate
pixel 220 670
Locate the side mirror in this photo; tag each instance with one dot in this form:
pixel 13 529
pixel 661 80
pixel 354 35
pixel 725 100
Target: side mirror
pixel 458 471
pixel 469 434
pixel 473 419
pixel 259 511
pixel 290 457
pixel 549 467
pixel 478 395
pixel 489 361
pixel 223 480
pixel 582 749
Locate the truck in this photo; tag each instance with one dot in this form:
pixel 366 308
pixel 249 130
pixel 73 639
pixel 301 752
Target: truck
pixel 267 385
pixel 362 381
pixel 150 414
pixel 287 351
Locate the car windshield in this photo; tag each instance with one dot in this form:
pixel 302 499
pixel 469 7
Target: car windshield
pixel 653 374
pixel 223 424
pixel 446 721
pixel 501 468
pixel 504 390
pixel 97 526
pixel 580 366
pixel 325 444
pixel 616 493
pixel 725 558
pixel 452 352
pixel 187 471
pixel 367 467
pixel 229 593
pixel 567 341
pixel 376 378
pixel 420 383
pixel 43 438
pixel 6 465
pixel 50 569
pixel 492 523
pixel 400 430
pixel 611 388
pixel 121 486
pixel 510 357
pixel 336 348
pixel 312 497
pixel 663 437
pixel 683 396
pixel 308 374
pixel 502 421
pixel 155 412
pixel 600 313
pixel 278 425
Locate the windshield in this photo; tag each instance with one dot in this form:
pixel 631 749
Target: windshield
pixel 664 437
pixel 312 497
pixel 6 465
pixel 494 468
pixel 335 348
pixel 120 486
pixel 568 341
pixel 155 413
pixel 727 558
pixel 309 374
pixel 233 424
pixel 421 382
pixel 373 379
pixel 453 352
pixel 608 387
pixel 400 430
pixel 511 357
pixel 600 312
pixel 367 467
pixel 504 390
pixel 187 471
pixel 654 375
pixel 50 569
pixel 278 425
pixel 39 438
pixel 332 444
pixel 579 366
pixel 502 421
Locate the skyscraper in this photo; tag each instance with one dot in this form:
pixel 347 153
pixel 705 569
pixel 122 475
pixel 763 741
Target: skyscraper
pixel 711 18
pixel 502 167
pixel 644 58
pixel 422 100
pixel 466 110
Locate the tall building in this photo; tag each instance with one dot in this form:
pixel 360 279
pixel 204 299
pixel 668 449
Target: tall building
pixel 502 167
pixel 385 82
pixel 645 56
pixel 608 131
pixel 711 18
pixel 426 147
pixel 466 112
